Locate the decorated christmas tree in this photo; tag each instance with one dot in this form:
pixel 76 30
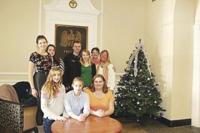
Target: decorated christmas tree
pixel 137 93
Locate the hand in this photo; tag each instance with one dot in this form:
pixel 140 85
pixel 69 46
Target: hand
pixel 81 117
pixel 62 118
pixel 34 92
pixel 84 115
pixel 66 116
pixel 99 113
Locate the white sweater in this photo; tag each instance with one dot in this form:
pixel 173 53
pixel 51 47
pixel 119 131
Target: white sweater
pixel 111 76
pixel 54 107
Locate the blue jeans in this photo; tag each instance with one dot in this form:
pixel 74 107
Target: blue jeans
pixel 47 125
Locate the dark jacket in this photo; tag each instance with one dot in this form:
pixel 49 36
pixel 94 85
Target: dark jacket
pixel 93 70
pixel 72 69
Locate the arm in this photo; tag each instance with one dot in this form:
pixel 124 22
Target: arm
pixel 46 110
pixel 86 110
pixel 69 110
pixel 61 64
pixel 99 113
pixel 93 112
pixel 102 113
pixel 31 68
pixel 111 108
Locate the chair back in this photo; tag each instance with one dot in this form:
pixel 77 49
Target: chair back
pixel 23 89
pixel 11 115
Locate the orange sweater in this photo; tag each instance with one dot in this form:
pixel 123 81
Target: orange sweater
pixel 99 102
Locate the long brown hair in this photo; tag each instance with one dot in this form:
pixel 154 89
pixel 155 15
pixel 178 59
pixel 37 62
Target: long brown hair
pixel 104 89
pixel 50 87
pixel 55 58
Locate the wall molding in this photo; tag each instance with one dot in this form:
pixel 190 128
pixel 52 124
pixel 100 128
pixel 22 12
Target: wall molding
pixel 175 123
pixel 10 81
pixel 59 13
pixel 12 77
pixel 13 73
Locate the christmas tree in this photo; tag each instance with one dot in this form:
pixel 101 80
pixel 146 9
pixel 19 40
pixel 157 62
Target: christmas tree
pixel 137 93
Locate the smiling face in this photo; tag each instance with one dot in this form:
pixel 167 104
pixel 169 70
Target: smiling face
pixel 56 76
pixel 51 50
pixel 42 44
pixel 77 86
pixel 77 47
pixel 95 54
pixel 104 56
pixel 98 83
pixel 85 56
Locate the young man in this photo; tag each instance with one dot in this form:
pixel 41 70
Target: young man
pixel 72 65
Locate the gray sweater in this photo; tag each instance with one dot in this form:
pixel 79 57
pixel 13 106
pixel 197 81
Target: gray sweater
pixel 76 104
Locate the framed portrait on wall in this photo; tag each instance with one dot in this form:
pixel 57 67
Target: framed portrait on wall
pixel 66 35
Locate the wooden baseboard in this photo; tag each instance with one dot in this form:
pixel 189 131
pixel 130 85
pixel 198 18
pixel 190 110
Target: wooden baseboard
pixel 175 123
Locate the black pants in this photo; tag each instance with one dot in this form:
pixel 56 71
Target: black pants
pixel 39 80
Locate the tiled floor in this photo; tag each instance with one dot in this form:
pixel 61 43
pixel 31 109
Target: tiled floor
pixel 150 127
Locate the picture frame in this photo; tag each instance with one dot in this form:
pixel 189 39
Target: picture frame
pixel 66 35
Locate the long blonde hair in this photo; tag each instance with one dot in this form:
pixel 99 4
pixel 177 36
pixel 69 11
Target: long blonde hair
pixel 81 59
pixel 108 57
pixel 50 87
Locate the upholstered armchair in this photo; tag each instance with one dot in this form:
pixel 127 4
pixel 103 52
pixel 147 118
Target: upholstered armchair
pixel 17 114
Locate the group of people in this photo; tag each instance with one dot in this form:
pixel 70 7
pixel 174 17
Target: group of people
pixel 79 85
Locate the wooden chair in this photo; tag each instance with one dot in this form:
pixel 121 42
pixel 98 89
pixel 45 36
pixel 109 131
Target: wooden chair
pixel 17 117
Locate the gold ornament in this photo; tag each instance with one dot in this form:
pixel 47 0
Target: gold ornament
pixel 73 4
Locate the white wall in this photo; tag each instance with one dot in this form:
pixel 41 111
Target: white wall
pixel 169 35
pixel 159 38
pixel 196 70
pixel 19 28
pixel 182 61
pixel 123 25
